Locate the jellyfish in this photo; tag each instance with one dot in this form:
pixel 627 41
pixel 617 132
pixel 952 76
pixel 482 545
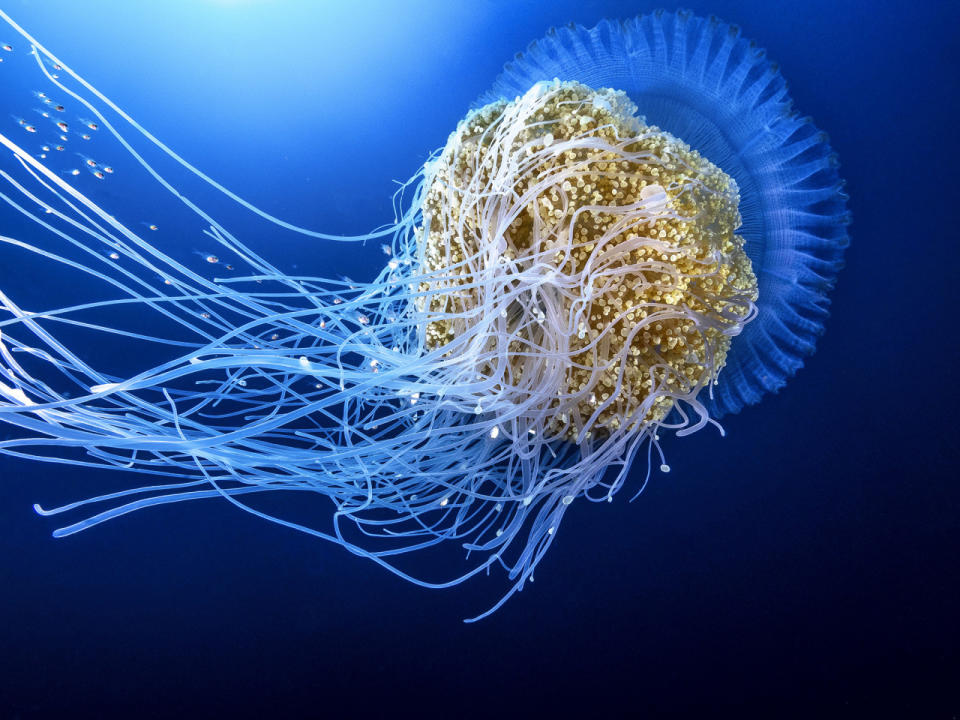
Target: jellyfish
pixel 631 233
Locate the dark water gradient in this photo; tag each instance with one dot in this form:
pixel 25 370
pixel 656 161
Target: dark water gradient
pixel 804 564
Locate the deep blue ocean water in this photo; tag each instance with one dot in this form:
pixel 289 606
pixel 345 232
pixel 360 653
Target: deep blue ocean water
pixel 806 563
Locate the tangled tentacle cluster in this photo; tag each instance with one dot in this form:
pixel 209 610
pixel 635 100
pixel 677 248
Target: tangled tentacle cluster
pixel 597 255
pixel 563 281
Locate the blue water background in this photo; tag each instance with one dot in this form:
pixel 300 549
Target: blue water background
pixel 806 562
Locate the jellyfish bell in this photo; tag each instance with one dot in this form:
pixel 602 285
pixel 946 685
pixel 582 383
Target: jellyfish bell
pixel 701 80
pixel 632 232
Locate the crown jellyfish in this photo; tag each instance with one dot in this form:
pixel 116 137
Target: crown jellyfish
pixel 631 233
